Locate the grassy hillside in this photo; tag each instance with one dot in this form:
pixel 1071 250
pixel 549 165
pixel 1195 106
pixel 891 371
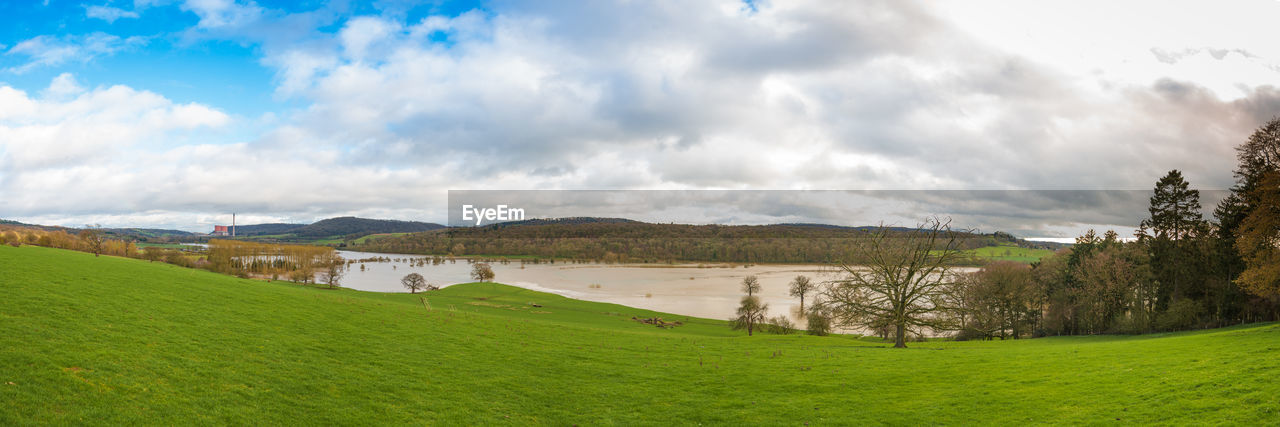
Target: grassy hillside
pixel 113 341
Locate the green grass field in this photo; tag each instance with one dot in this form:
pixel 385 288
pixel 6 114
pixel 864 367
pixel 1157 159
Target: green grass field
pixel 145 245
pixel 87 340
pixel 1008 253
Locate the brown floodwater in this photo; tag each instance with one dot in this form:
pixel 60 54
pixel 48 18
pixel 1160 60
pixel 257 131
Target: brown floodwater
pixel 702 290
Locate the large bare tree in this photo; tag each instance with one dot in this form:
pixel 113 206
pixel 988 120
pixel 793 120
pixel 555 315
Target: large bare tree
pixel 414 282
pixel 751 313
pixel 332 270
pixel 897 278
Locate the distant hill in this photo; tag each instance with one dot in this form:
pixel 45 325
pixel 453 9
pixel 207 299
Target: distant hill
pixel 348 226
pixel 342 227
pixel 266 229
pixel 144 233
pixel 563 221
pixel 140 234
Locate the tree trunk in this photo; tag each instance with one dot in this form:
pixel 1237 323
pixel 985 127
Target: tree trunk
pixel 900 341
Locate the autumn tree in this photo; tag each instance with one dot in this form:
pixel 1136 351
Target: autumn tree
pixel 151 254
pixel 901 281
pixel 750 285
pixel 801 286
pixel 1259 240
pixel 93 239
pixel 414 282
pixel 481 272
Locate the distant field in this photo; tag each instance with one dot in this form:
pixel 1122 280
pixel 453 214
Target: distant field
pixel 163 246
pixel 105 340
pixel 374 236
pixel 1009 253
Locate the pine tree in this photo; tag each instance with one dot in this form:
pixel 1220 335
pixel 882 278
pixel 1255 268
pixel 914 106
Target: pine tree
pixel 1174 223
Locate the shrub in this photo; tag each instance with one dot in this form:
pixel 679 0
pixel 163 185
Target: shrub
pixel 1127 324
pixel 779 325
pixel 968 334
pixel 818 324
pixel 1182 314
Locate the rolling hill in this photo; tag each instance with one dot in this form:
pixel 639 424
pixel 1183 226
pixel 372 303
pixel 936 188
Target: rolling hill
pixel 111 341
pixel 328 231
pixel 352 226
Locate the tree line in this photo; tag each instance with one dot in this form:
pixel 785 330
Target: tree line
pixel 1181 271
pixel 299 263
pixel 640 242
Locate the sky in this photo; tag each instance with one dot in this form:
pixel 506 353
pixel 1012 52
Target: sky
pixel 173 114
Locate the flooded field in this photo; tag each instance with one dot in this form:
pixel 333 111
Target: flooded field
pixel 703 290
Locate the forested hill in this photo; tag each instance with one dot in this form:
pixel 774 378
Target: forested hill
pixel 614 240
pixel 341 227
pixel 348 225
pixel 266 229
pixel 126 233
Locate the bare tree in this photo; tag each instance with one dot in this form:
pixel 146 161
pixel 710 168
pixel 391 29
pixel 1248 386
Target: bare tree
pixel 900 281
pixel 93 238
pixel 751 312
pixel 332 271
pixel 481 272
pixel 801 286
pixel 414 282
pixel 750 285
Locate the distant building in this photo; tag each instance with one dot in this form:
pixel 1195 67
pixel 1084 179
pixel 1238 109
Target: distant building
pixel 221 230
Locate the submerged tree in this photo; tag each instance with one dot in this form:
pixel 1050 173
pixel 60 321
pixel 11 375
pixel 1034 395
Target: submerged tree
pixel 801 286
pixel 481 272
pixel 414 282
pixel 331 270
pixel 899 281
pixel 750 285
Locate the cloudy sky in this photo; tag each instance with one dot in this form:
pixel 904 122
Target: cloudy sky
pixel 175 113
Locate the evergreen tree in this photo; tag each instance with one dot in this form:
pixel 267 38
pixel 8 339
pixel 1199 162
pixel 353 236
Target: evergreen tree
pixel 1174 225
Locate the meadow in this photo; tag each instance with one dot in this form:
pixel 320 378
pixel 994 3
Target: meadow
pixel 105 340
pixel 1008 253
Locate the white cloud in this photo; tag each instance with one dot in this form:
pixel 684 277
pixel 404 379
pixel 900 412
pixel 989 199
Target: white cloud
pixel 69 127
pixel 51 51
pixel 802 94
pixel 108 13
pixel 360 34
pixel 63 86
pixel 219 14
